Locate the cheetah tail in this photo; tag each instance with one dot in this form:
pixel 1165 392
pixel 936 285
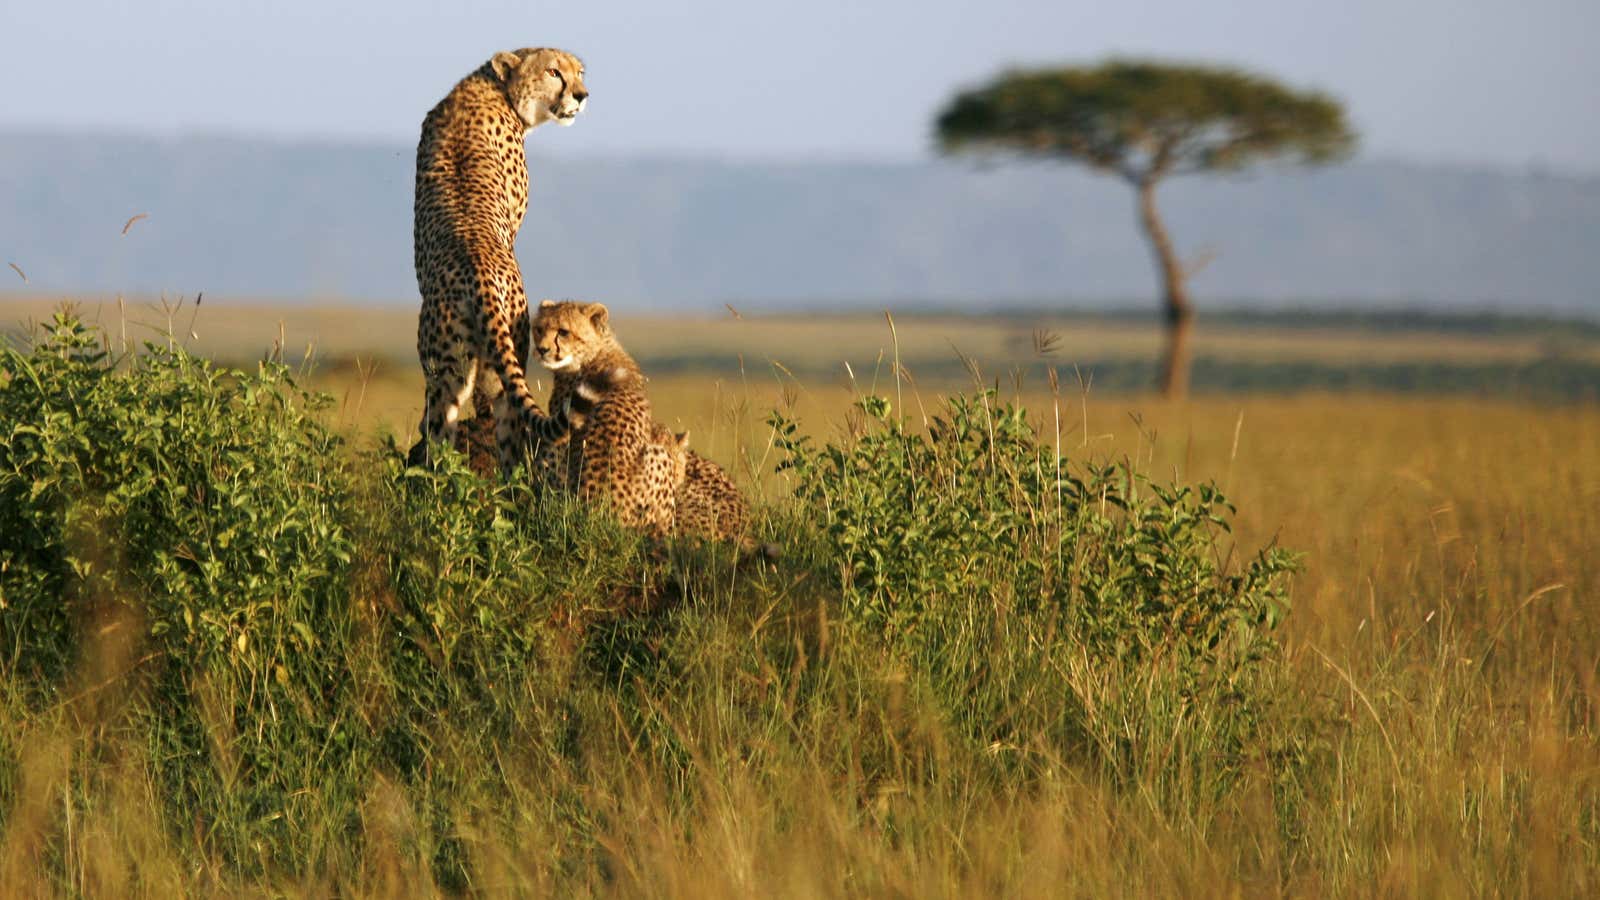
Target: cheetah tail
pixel 537 426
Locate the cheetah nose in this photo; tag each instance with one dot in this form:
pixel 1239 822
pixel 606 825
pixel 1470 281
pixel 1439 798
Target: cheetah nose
pixel 580 96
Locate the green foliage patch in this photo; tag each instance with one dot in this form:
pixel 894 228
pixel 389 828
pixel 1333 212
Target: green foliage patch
pixel 993 565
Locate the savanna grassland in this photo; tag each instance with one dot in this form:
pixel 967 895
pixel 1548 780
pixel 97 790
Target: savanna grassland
pixel 1267 641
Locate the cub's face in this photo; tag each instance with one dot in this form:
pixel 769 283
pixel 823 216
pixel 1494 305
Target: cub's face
pixel 567 334
pixel 543 85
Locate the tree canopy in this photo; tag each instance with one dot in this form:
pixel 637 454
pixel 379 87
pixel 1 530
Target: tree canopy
pixel 1145 120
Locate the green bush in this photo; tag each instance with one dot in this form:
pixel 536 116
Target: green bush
pixel 479 586
pixel 213 501
pixel 305 615
pixel 992 565
pixel 209 510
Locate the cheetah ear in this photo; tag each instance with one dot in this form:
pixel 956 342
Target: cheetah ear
pixel 546 304
pixel 504 63
pixel 683 440
pixel 599 316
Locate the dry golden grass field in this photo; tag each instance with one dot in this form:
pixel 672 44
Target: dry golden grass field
pixel 1444 633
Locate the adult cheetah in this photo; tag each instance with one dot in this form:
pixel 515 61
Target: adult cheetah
pixel 471 196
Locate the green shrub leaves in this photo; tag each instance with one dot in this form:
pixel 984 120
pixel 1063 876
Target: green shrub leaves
pixel 977 511
pixel 995 567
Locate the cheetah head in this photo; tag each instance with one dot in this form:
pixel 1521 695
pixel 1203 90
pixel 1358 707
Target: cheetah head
pixel 542 84
pixel 567 334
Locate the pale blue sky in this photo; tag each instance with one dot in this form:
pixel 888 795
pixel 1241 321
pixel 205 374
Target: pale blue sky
pixel 1505 82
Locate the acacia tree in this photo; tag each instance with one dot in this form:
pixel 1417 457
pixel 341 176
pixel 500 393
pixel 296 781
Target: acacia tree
pixel 1144 121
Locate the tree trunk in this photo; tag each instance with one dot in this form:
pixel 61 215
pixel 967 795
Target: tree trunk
pixel 1174 379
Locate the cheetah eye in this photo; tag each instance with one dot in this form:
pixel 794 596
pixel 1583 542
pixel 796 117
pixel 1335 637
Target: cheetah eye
pixel 553 72
pixel 562 332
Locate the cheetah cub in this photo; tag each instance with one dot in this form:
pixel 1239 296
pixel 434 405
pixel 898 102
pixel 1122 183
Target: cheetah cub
pixel 705 501
pixel 708 504
pixel 615 452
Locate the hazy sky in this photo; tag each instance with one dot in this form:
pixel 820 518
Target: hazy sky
pixel 1512 82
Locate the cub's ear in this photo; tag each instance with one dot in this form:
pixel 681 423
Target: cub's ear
pixel 683 441
pixel 599 316
pixel 546 304
pixel 504 63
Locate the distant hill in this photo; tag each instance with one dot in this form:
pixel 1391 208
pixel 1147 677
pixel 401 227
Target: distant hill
pixel 278 220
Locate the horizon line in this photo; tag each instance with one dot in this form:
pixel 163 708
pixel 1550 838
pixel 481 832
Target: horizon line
pixel 1529 168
